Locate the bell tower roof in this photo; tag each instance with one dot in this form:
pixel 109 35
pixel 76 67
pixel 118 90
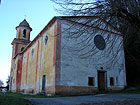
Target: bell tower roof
pixel 24 23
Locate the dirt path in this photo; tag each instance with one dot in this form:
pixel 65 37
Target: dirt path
pixel 89 100
pixel 127 102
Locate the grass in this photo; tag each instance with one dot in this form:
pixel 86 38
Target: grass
pixel 127 90
pixel 18 98
pixel 132 90
pixel 137 91
pixel 26 95
pixel 7 99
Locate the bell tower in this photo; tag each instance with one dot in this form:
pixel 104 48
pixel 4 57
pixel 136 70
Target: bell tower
pixel 22 37
pixel 19 43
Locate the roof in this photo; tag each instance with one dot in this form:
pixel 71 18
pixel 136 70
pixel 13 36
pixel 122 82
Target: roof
pixel 24 23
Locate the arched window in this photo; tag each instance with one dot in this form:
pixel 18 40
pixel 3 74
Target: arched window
pixel 22 48
pixel 24 33
pixel 32 53
pixel 46 39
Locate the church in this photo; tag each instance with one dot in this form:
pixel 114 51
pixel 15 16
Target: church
pixel 60 61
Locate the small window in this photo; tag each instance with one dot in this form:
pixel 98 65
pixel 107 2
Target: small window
pixel 111 81
pixel 91 81
pixel 22 48
pixel 24 33
pixel 46 39
pixel 32 53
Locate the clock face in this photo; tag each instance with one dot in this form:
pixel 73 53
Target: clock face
pixel 99 42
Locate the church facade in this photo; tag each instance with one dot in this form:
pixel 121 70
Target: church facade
pixel 49 64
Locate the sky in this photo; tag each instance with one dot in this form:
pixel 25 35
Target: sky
pixel 37 13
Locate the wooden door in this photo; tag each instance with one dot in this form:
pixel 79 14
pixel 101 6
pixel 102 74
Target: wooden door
pixel 101 80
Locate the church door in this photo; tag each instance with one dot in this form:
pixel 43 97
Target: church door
pixel 101 80
pixel 43 83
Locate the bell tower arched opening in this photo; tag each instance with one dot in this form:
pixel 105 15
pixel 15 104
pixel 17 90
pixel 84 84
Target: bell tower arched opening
pixel 24 33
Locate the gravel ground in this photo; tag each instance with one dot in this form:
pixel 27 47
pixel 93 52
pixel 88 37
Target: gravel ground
pixel 100 99
pixel 130 102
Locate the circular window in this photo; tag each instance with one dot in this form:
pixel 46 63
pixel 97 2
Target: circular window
pixel 99 42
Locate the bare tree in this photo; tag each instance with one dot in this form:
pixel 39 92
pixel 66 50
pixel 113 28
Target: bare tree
pixel 123 16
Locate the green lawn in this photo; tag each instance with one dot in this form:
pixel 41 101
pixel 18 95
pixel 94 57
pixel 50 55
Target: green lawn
pixel 126 91
pixel 17 98
pixel 132 91
pixel 6 99
pixel 25 95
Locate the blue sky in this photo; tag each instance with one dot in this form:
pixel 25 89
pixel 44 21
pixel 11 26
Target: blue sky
pixel 12 12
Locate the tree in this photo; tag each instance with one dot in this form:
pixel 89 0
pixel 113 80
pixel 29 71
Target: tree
pixel 1 83
pixel 121 15
pixel 8 81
